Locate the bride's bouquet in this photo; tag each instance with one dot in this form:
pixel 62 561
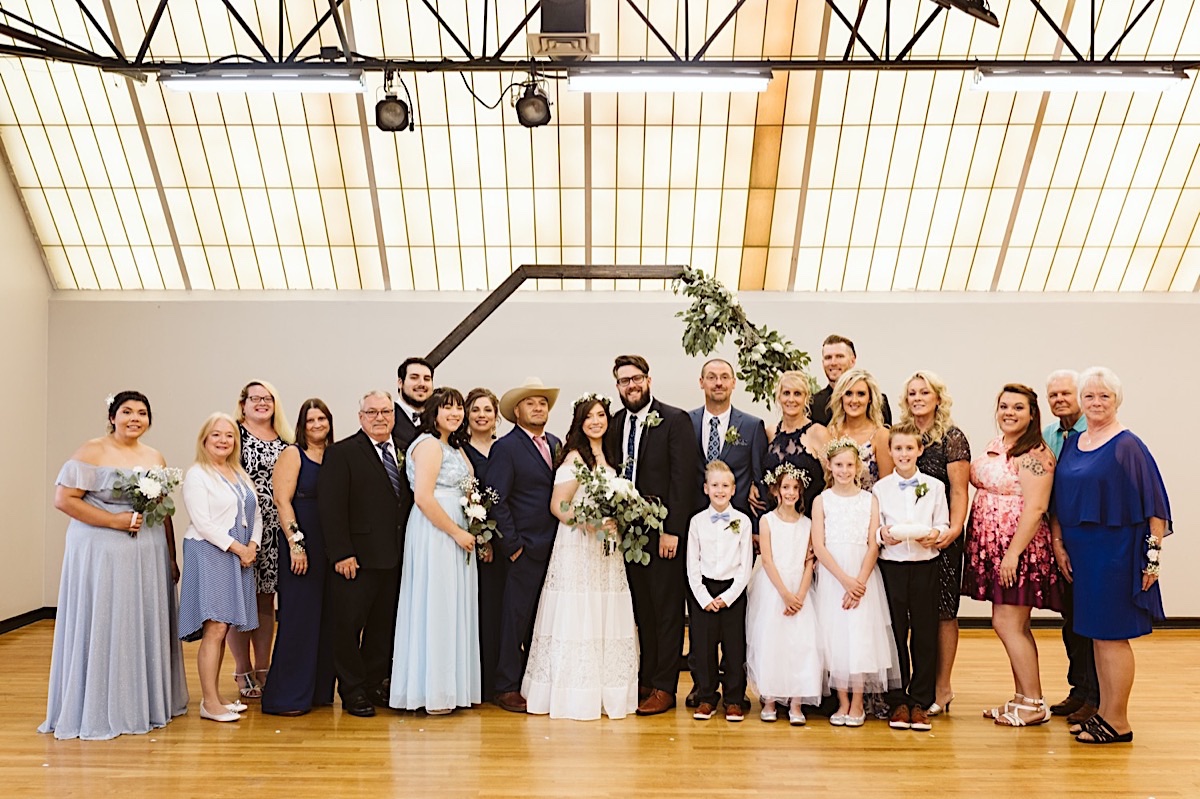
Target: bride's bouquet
pixel 606 498
pixel 476 503
pixel 149 490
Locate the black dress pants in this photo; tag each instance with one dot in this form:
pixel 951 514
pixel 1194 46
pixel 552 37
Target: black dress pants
pixel 364 628
pixel 912 594
pixel 725 628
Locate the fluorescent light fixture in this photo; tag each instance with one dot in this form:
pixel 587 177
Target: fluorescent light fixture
pixel 1076 78
pixel 233 80
pixel 642 79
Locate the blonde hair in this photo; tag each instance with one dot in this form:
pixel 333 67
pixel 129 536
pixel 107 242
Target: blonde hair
pixel 718 467
pixel 837 412
pixel 278 418
pixel 234 461
pixel 941 415
pixel 836 447
pixel 794 379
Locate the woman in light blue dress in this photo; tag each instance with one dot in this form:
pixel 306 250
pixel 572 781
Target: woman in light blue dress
pixel 117 666
pixel 435 664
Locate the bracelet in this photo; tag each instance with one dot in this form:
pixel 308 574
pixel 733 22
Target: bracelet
pixel 297 548
pixel 1153 548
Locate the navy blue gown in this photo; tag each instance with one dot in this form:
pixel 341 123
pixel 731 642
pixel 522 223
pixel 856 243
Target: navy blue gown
pixel 302 665
pixel 491 594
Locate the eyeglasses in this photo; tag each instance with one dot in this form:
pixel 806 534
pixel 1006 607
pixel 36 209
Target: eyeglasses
pixel 636 380
pixel 268 399
pixel 372 413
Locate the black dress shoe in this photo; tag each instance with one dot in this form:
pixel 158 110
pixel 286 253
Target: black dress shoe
pixel 358 706
pixel 691 700
pixel 379 697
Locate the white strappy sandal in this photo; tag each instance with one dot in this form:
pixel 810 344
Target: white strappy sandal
pixel 1012 716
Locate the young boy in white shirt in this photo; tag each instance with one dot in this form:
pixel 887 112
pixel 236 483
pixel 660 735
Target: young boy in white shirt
pixel 720 555
pixel 913 515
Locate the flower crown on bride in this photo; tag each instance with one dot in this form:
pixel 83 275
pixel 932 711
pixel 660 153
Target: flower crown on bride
pixel 591 396
pixel 839 445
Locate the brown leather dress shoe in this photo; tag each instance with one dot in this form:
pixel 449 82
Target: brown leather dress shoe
pixel 512 701
pixel 1067 706
pixel 657 702
pixel 1082 714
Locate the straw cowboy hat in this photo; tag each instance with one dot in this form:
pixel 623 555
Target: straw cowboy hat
pixel 532 387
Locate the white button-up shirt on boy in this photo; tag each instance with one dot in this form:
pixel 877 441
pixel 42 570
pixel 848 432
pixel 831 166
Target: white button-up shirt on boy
pixel 900 505
pixel 715 551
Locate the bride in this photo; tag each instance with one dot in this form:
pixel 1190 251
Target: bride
pixel 583 660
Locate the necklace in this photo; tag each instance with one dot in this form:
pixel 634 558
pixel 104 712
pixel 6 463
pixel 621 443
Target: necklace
pixel 1089 435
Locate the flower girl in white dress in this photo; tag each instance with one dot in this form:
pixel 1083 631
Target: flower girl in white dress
pixel 783 646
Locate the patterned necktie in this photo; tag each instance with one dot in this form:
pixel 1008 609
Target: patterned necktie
pixel 909 483
pixel 389 466
pixel 543 448
pixel 627 472
pixel 719 517
pixel 714 441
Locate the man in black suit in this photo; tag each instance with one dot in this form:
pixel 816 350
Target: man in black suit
pixel 837 356
pixel 521 470
pixel 654 443
pixel 364 504
pixel 414 383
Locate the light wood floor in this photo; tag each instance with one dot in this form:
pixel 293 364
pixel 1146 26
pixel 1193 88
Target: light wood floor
pixel 487 752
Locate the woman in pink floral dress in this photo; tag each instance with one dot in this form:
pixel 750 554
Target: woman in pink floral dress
pixel 1009 558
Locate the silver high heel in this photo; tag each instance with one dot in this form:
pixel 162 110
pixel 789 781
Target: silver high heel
pixel 936 710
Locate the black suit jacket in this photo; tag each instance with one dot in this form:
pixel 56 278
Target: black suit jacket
pixel 519 474
pixel 818 407
pixel 744 456
pixel 666 467
pixel 361 516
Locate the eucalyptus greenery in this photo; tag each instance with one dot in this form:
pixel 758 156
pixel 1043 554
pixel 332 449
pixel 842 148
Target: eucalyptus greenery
pixel 715 313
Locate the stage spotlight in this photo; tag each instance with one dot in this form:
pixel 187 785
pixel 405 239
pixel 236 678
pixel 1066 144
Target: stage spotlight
pixel 976 8
pixel 533 107
pixel 392 114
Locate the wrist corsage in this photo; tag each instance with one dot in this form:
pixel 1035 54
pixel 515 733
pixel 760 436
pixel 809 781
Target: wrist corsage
pixel 1153 548
pixel 297 542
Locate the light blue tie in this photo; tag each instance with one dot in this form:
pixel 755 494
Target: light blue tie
pixel 719 517
pixel 627 472
pixel 714 441
pixel 389 466
pixel 910 483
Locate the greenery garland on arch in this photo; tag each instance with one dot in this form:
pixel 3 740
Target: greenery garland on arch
pixel 715 313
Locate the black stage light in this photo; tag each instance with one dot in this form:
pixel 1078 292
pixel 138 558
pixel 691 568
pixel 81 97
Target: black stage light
pixel 392 114
pixel 533 108
pixel 976 8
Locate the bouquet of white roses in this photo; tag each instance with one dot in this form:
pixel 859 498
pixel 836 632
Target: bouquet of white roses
pixel 476 503
pixel 149 490
pixel 606 497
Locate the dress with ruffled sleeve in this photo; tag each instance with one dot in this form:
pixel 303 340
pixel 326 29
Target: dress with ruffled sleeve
pixel 1104 500
pixel 117 666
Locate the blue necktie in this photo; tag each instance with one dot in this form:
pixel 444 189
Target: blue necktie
pixel 910 483
pixel 389 466
pixel 627 472
pixel 714 441
pixel 719 517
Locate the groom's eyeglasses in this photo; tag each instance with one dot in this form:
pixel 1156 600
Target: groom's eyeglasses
pixel 636 380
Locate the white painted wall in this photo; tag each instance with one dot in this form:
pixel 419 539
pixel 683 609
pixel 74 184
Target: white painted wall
pixel 191 355
pixel 24 292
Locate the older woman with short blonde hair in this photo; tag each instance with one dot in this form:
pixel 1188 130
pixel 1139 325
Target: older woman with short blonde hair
pixel 1110 515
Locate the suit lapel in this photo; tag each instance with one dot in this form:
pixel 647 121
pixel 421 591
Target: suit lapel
pixel 735 418
pixel 372 455
pixel 531 447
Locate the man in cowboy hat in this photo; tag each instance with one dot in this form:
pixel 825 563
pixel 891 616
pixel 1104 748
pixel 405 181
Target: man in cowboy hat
pixel 521 470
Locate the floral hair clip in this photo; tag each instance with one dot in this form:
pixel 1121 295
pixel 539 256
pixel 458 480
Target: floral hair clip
pixel 786 470
pixel 838 445
pixel 109 400
pixel 591 396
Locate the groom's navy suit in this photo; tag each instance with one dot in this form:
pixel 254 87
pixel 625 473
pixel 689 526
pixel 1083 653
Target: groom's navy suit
pixel 524 482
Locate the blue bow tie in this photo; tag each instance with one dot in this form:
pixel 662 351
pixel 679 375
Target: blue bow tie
pixel 719 517
pixel 910 483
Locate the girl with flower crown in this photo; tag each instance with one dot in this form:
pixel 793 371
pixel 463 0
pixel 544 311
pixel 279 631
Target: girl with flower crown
pixel 783 652
pixel 852 610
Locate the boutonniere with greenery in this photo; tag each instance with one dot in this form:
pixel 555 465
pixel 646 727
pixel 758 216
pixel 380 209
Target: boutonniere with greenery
pixel 652 420
pixel 735 526
pixel 733 437
pixel 558 451
pixel 920 490
pixel 399 459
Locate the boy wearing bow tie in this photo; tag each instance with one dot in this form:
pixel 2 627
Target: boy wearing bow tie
pixel 720 555
pixel 914 505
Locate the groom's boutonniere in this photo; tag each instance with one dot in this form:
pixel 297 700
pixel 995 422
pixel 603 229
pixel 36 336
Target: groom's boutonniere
pixel 735 526
pixel 921 490
pixel 733 437
pixel 652 420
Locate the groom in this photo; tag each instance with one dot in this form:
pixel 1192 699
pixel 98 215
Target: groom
pixel 653 443
pixel 521 470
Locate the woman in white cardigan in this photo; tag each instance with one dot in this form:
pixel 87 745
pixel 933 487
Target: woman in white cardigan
pixel 219 548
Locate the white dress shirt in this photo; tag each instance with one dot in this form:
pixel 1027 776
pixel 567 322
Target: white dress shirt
pixel 901 506
pixel 638 420
pixel 390 448
pixel 715 551
pixel 214 508
pixel 722 428
pixel 408 409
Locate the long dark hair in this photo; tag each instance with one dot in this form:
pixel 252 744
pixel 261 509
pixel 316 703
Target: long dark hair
pixel 128 396
pixel 443 397
pixel 302 421
pixel 1031 439
pixel 577 440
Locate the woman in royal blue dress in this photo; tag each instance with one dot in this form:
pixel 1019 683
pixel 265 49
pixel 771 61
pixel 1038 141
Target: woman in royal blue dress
pixel 1110 514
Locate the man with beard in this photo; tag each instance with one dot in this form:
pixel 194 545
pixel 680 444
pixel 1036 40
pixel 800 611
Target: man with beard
pixel 414 382
pixel 655 446
pixel 838 355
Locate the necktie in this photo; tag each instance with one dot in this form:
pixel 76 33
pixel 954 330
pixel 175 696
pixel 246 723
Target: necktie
pixel 910 483
pixel 719 517
pixel 714 441
pixel 389 466
pixel 543 448
pixel 627 472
